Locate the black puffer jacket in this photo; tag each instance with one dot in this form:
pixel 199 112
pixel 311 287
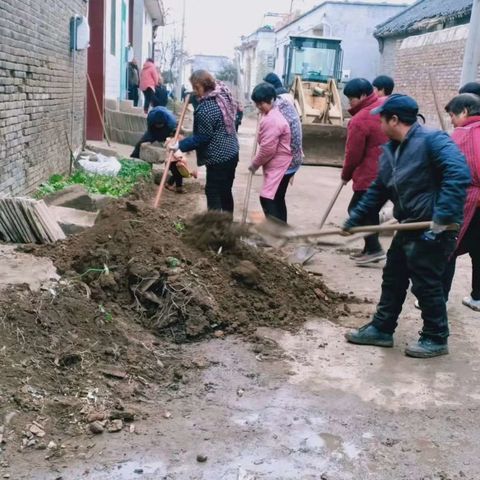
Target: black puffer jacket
pixel 426 177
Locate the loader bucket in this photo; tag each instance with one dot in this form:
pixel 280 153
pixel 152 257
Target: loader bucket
pixel 324 144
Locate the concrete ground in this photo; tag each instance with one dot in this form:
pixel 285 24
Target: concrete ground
pixel 318 409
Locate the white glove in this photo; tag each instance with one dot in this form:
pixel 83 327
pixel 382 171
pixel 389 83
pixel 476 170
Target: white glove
pixel 436 228
pixel 173 146
pixel 178 154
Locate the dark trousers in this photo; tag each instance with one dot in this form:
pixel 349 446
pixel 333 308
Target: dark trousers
pixel 133 95
pixel 176 178
pixel 218 188
pixel 470 244
pixel 422 262
pixel 277 207
pixel 150 136
pixel 148 99
pixel 372 244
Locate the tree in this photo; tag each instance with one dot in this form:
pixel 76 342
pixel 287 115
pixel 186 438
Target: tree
pixel 228 74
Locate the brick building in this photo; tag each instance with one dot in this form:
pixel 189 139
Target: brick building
pixel 37 80
pixel 426 40
pixel 119 29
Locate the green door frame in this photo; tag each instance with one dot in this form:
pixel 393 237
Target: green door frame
pixel 123 51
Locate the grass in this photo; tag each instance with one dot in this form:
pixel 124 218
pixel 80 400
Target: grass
pixel 130 174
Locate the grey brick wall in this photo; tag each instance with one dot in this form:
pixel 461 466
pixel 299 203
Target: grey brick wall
pixel 36 79
pixel 388 56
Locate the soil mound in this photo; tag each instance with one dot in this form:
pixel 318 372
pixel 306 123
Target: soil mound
pixel 81 355
pixel 212 230
pixel 186 279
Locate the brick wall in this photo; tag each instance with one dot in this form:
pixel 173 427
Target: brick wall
pixel 388 58
pixel 36 73
pixel 440 53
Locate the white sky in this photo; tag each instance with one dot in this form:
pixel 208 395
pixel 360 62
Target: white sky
pixel 214 27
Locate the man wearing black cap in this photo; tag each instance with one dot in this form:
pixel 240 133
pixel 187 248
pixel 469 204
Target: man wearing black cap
pixel 425 175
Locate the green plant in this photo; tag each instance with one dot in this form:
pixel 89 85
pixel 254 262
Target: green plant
pixel 107 316
pixel 179 226
pixel 130 174
pixel 173 262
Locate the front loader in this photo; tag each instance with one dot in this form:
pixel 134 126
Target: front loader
pixel 312 71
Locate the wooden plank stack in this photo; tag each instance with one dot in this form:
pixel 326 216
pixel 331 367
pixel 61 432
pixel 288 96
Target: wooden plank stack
pixel 25 220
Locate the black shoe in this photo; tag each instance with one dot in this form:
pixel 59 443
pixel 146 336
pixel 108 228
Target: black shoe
pixel 370 335
pixel 426 348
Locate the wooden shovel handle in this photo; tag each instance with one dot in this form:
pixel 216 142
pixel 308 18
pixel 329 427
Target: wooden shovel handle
pixel 170 152
pixel 332 203
pixel 370 229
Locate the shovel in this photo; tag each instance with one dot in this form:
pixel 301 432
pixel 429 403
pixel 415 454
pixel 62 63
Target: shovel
pixel 250 176
pixel 170 153
pixel 332 203
pixel 287 233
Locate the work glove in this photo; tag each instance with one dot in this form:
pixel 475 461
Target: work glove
pixel 436 228
pixel 252 169
pixel 173 146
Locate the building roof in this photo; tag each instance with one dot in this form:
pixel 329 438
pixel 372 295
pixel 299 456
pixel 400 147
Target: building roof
pixel 344 3
pixel 157 11
pixel 424 14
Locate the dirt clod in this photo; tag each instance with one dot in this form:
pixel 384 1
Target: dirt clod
pixel 96 427
pixel 247 273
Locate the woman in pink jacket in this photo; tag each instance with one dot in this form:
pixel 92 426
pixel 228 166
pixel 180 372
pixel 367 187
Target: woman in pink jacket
pixel 148 82
pixel 274 154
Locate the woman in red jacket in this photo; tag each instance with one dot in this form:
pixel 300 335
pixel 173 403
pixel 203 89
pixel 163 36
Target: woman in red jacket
pixel 362 151
pixel 464 111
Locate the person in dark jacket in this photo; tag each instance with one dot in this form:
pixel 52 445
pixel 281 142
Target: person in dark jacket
pixel 383 85
pixel 238 116
pixel 160 98
pixel 214 139
pixel 133 82
pixel 471 87
pixel 426 177
pixel 161 124
pixel 274 80
pixel 362 150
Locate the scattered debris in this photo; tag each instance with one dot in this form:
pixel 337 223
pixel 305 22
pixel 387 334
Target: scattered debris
pixel 115 426
pixel 96 427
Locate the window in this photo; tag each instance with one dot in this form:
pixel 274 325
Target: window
pixel 113 27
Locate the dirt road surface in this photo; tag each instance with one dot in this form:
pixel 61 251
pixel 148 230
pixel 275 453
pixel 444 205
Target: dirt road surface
pixel 305 405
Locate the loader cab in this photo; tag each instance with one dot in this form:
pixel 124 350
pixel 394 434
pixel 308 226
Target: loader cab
pixel 315 59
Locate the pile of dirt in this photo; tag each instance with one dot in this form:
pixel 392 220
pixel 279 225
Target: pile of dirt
pixel 84 353
pixel 187 279
pixel 67 360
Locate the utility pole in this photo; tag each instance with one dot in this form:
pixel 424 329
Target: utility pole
pixel 471 59
pixel 180 79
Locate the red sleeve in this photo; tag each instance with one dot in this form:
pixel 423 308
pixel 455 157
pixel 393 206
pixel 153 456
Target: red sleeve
pixel 354 149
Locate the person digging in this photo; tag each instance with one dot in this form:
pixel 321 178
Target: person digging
pixel 161 125
pixel 365 138
pixel 425 176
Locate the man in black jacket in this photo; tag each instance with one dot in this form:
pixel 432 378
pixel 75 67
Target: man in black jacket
pixel 425 175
